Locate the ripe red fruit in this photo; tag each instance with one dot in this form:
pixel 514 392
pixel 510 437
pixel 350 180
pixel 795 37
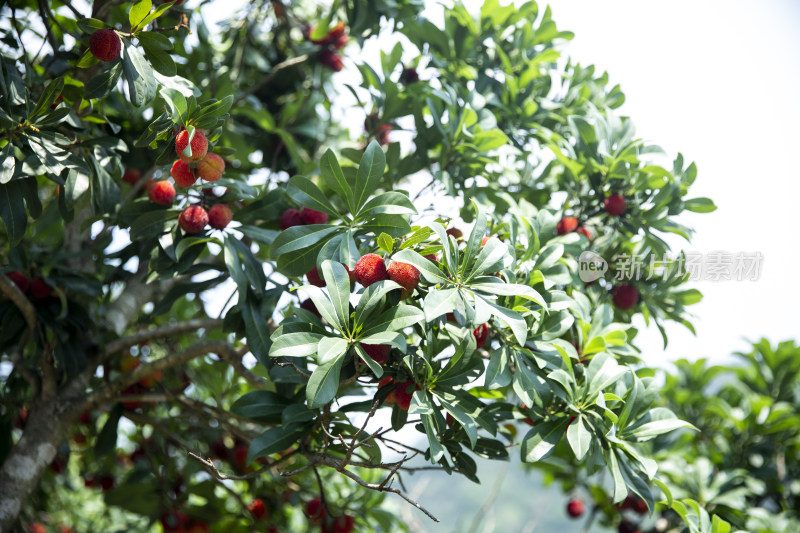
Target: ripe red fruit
pixel 575 508
pixel 58 100
pixel 409 75
pixel 615 205
pixel 257 509
pixel 106 483
pixel 330 59
pixel 40 288
pixel 219 216
pixel 635 504
pixel 431 257
pixel 486 239
pixel 128 363
pixel 105 45
pixel 335 37
pixel 131 176
pixel 211 167
pixel 311 216
pixel 148 382
pixel 456 233
pixel 481 333
pixel 586 232
pixel 624 297
pixel 199 146
pixel 315 511
pixel 378 352
pixel 86 417
pixel 173 521
pixel 37 527
pixel 382 135
pixel 403 394
pixel 566 225
pixel 240 457
pixel 314 278
pixel 182 173
pixel 405 275
pixel 162 193
pixel 309 306
pixel 627 527
pixel 370 269
pixel 290 217
pixel 343 524
pixel 20 280
pixel 193 219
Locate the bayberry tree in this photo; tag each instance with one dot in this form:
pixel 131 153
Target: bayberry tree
pixel 214 286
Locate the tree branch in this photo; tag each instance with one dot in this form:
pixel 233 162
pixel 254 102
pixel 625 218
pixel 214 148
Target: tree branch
pixel 160 332
pixel 15 295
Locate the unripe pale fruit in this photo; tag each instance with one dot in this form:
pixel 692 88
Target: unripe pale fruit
pixel 290 217
pixel 211 167
pixel 182 173
pixel 131 176
pixel 199 146
pixel 314 278
pixel 575 508
pixel 257 509
pixel 105 45
pixel 311 216
pixel 370 269
pixel 219 216
pixel 624 296
pixel 40 288
pixel 615 205
pixel 481 333
pixel 315 511
pixel 193 219
pixel 378 352
pixel 162 193
pixel 586 232
pixel 405 275
pixel 566 225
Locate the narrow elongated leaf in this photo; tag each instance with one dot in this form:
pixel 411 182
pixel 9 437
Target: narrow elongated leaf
pixel 274 440
pixel 324 305
pixel 260 405
pixel 338 284
pixel 257 331
pixel 394 319
pixel 138 12
pixel 371 298
pixel 427 268
pixel 389 203
pixel 329 348
pixel 541 440
pixel 579 437
pixel 370 172
pixel 299 344
pixel 299 237
pixel 333 178
pixel 324 383
pixel 305 192
pixel 139 75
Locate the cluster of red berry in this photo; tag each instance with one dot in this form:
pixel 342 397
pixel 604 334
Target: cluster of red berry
pixel 334 40
pixel 37 287
pixel 318 514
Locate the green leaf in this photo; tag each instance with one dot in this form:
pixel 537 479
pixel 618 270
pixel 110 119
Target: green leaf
pixel 324 383
pixel 579 437
pixel 107 438
pixel 49 95
pixel 257 331
pixel 89 25
pixel 394 319
pixel 370 172
pixel 161 61
pixel 178 107
pixel 427 268
pixel 260 405
pixel 12 211
pixel 541 440
pixel 491 258
pixel 7 163
pixel 485 141
pixel 139 75
pixel 370 299
pixel 436 449
pixel 155 14
pixel 389 203
pixel 87 60
pixel 303 191
pixel 333 177
pixel 299 237
pixel 274 440
pixel 700 205
pixel 373 365
pixel 154 40
pixel 393 225
pixel 153 223
pixel 385 243
pixel 338 284
pixel 138 12
pixel 298 344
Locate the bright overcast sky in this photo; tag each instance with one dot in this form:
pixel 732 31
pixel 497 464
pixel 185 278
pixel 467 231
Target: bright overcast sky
pixel 716 80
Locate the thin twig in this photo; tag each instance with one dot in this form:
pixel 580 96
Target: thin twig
pixel 161 332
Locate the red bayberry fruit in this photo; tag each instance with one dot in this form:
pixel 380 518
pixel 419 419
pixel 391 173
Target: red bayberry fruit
pixel 211 167
pixel 403 394
pixel 290 217
pixel 456 233
pixel 86 417
pixel 370 269
pixel 566 225
pixel 240 458
pixel 486 239
pixel 40 289
pixel 162 193
pixel 575 508
pixel 148 382
pixel 330 59
pixel 182 173
pixel 173 521
pixel 405 275
pixel 105 45
pixel 131 176
pixel 481 333
pixel 199 146
pixel 58 100
pixel 627 527
pixel 257 509
pixel 382 135
pixel 315 511
pixel 193 219
pixel 38 527
pixel 378 352
pixel 20 280
pixel 615 205
pixel 586 232
pixel 311 216
pixel 624 296
pixel 309 306
pixel 314 278
pixel 409 75
pixel 106 483
pixel 431 257
pixel 343 524
pixel 219 216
